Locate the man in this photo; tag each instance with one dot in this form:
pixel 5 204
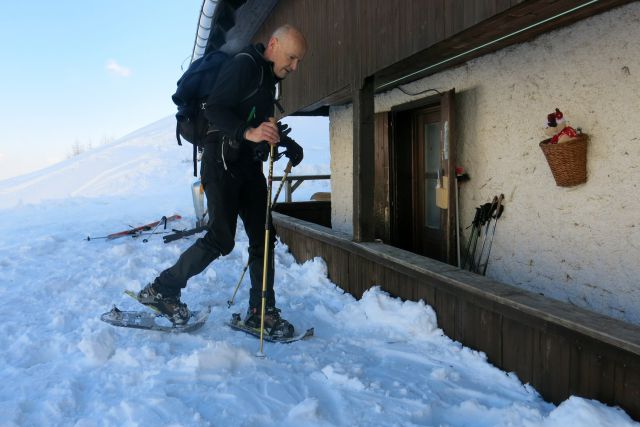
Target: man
pixel 240 132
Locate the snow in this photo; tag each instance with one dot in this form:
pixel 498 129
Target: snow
pixel 378 361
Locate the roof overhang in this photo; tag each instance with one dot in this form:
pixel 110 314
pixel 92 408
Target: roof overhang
pixel 518 24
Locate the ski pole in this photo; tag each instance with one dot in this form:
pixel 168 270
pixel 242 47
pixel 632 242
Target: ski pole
pixel 498 214
pixel 287 171
pixel 478 222
pixel 162 221
pixel 472 255
pixel 473 237
pixel 265 262
pixel 486 223
pixel 482 213
pixel 233 297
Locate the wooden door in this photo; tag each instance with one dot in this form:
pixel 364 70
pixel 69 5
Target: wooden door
pixel 422 152
pixel 429 221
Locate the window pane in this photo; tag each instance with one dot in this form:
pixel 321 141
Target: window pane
pixel 432 163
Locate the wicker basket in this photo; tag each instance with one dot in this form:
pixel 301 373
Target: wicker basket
pixel 568 160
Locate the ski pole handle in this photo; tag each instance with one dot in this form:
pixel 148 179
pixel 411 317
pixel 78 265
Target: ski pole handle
pixel 500 207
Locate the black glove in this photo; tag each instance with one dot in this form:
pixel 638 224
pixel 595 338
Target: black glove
pixel 261 151
pixel 283 129
pixel 294 152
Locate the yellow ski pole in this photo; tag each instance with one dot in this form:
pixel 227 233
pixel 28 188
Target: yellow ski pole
pixel 266 247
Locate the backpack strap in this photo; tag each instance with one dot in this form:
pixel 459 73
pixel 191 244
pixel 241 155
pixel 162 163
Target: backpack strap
pixel 195 160
pixel 204 106
pixel 261 75
pixel 178 133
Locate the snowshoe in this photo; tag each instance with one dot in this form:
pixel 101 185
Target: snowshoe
pixel 237 324
pixel 274 325
pixel 154 321
pixel 170 306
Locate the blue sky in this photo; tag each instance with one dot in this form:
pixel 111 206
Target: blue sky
pixel 86 71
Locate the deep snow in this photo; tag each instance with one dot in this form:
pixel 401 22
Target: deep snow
pixel 374 362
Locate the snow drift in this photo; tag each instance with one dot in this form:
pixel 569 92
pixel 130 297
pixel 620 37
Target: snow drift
pixel 373 362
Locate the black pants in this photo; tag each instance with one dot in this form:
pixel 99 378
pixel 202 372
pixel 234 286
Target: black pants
pixel 240 191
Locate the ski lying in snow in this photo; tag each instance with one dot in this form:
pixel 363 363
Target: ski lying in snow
pixel 179 234
pixel 154 321
pixel 136 231
pixel 237 324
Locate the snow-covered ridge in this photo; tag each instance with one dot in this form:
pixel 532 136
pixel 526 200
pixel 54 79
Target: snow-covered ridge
pixel 122 167
pixel 149 160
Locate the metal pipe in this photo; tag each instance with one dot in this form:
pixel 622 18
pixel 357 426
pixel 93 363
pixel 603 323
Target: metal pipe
pixel 204 28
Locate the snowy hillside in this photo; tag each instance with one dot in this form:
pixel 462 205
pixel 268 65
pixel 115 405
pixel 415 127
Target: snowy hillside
pixel 373 362
pixel 149 163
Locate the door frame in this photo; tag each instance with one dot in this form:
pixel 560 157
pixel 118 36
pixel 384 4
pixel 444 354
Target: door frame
pixel 397 130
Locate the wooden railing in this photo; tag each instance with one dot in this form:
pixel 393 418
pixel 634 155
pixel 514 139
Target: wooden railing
pixel 292 182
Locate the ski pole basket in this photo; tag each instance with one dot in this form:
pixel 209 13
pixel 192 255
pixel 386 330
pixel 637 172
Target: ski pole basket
pixel 567 160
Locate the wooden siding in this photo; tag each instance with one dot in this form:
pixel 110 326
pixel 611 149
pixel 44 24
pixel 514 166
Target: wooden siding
pixel 324 69
pixel 381 187
pixel 558 348
pixel 363 161
pixel 350 40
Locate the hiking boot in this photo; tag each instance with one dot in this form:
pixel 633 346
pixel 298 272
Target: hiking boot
pixel 274 325
pixel 170 306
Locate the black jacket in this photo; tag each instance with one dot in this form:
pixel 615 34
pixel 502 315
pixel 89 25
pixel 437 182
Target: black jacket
pixel 245 84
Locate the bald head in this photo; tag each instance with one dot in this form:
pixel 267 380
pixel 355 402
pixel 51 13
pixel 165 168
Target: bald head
pixel 286 48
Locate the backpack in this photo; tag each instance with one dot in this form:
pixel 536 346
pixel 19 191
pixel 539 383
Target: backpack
pixel 194 87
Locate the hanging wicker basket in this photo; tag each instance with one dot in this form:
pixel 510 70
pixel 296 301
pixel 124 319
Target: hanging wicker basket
pixel 567 160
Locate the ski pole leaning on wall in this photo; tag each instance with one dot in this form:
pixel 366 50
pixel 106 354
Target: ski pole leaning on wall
pixel 480 241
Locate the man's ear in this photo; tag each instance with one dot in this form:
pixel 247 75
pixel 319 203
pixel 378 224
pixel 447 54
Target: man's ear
pixel 272 43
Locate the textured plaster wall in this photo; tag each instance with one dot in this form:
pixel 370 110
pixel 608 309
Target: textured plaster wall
pixel 580 244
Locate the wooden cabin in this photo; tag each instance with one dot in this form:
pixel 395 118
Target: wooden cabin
pixel 414 89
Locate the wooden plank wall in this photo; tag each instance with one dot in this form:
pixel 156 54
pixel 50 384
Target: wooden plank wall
pixel 363 160
pixel 350 40
pixel 381 186
pixel 558 348
pixel 328 65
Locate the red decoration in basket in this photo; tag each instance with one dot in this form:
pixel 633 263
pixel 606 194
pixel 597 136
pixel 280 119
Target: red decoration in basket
pixel 564 135
pixel 558 128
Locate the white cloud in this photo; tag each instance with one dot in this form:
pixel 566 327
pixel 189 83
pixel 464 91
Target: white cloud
pixel 117 69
